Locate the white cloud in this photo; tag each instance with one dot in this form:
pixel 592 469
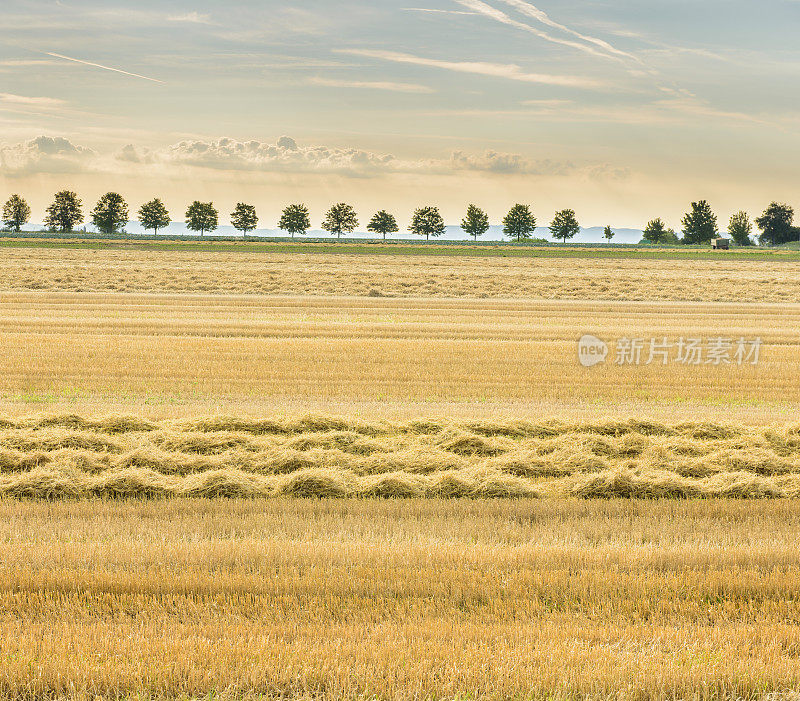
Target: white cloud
pixel 191 18
pixel 45 155
pixel 22 100
pixel 497 70
pixel 370 85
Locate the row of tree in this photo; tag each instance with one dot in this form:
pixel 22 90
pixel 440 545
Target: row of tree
pixel 111 214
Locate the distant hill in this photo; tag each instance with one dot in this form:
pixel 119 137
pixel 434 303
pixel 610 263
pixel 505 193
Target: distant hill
pixel 453 233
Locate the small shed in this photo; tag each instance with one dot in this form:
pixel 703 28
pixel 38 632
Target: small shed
pixel 721 244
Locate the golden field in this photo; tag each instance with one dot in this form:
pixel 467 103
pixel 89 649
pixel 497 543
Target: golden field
pixel 727 279
pixel 163 356
pixel 399 600
pixel 330 477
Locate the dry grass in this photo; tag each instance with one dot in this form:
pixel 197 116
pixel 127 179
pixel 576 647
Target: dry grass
pixel 259 355
pixel 78 270
pixel 58 457
pixel 399 600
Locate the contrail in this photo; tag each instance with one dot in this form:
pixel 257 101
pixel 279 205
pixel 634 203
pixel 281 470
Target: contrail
pixel 537 14
pixel 482 8
pixel 105 68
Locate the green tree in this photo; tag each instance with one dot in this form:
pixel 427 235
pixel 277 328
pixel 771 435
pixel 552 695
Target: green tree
pixel 476 223
pixel 202 217
pixel 608 234
pixel 565 225
pixel 244 218
pixel 65 213
pixel 110 214
pixel 740 228
pixel 16 213
pixel 154 215
pixel 671 237
pixel 655 231
pixel 776 224
pixel 295 219
pixel 519 223
pixel 383 223
pixel 699 225
pixel 427 222
pixel 340 219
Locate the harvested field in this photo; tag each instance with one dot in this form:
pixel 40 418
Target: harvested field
pixel 342 274
pixel 57 457
pixel 400 600
pixel 186 355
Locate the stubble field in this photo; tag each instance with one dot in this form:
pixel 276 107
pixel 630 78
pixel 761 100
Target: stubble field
pixel 496 521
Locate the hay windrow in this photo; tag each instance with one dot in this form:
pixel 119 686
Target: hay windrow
pixel 70 457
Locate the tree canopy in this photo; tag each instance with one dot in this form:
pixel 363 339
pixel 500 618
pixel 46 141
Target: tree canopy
pixel 154 215
pixel 110 214
pixel 202 217
pixel 699 225
pixel 565 225
pixel 776 224
pixel 519 223
pixel 244 218
pixel 476 223
pixel 295 219
pixel 655 231
pixel 740 228
pixel 608 234
pixel 16 213
pixel 383 223
pixel 340 219
pixel 65 213
pixel 427 222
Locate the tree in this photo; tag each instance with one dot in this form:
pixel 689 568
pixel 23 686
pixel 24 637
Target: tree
pixel 655 231
pixel 154 215
pixel 776 224
pixel 519 223
pixel 608 234
pixel 340 219
pixel 565 225
pixel 476 223
pixel 427 222
pixel 244 218
pixel 740 228
pixel 699 225
pixel 383 223
pixel 110 214
pixel 16 213
pixel 295 219
pixel 202 217
pixel 65 213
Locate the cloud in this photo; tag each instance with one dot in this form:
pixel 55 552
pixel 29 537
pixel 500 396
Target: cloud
pixel 437 12
pixel 191 18
pixel 497 70
pixel 507 164
pixel 285 155
pixel 45 155
pixel 24 101
pixel 368 85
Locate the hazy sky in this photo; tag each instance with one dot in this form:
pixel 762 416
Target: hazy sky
pixel 621 109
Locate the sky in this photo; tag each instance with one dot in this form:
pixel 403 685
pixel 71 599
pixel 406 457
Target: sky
pixel 623 110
